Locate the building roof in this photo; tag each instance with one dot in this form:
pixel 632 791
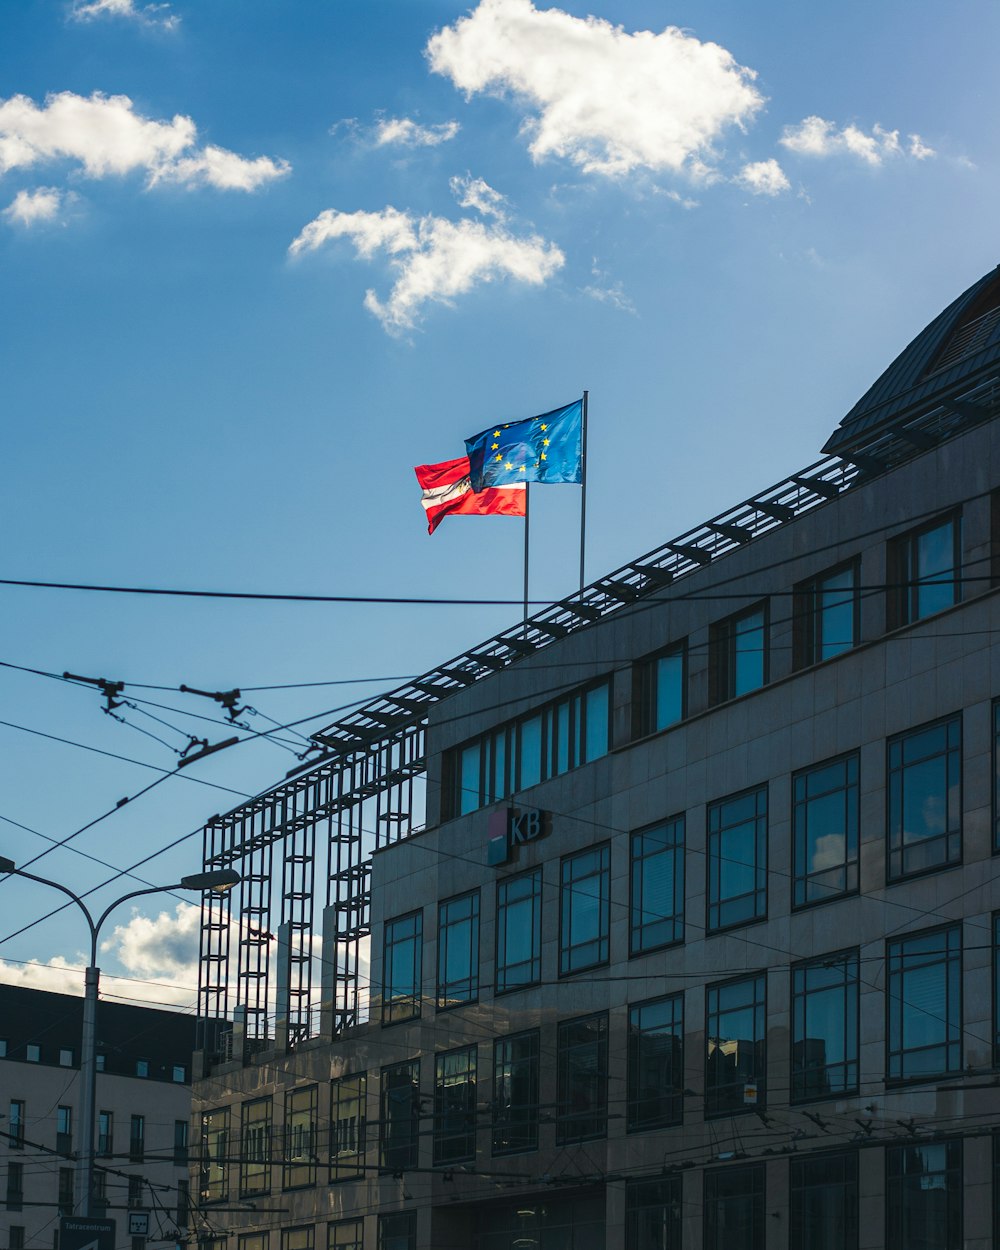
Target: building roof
pixel 959 348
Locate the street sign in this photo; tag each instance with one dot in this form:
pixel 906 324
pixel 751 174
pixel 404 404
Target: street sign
pixel 138 1223
pixel 81 1232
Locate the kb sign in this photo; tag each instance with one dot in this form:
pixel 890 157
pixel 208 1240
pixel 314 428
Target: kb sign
pixel 509 828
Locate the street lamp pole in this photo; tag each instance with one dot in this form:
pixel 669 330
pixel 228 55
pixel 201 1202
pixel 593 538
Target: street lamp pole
pixel 221 879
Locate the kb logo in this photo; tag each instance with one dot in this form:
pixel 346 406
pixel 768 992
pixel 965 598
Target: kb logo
pixel 509 828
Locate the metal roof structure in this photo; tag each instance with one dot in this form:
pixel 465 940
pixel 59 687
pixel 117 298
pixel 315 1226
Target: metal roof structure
pixel 956 351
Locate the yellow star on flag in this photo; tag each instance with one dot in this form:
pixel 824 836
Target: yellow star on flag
pixel 545 442
pixel 499 457
pixel 522 469
pixel 544 456
pixel 496 433
pixel 545 427
pixel 508 465
pixel 494 446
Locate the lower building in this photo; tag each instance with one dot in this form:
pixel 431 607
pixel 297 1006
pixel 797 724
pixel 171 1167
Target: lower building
pixel 143 1112
pixel 668 919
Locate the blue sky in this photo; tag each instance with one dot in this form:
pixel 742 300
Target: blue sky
pixel 257 260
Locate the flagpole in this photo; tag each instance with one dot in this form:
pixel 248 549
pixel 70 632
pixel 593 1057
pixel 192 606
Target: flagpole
pixel 583 491
pixel 526 501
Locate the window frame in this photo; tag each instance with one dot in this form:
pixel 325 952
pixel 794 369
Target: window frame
pixel 635 1097
pixel 398 1008
pixel 714 902
pixel 808 614
pixel 849 1015
pixel 798 1186
pixel 214 1188
pixel 503 906
pixel 724 653
pixel 15 1123
pixel 568 892
pixel 677 826
pixel 137 1139
pixel 409 1218
pixel 564 1099
pixel 756 1192
pixel 299 1169
pixel 895 1188
pixel 447 997
pixel 354 1225
pixel 803 880
pixel 505 1069
pixel 716 1104
pixel 895 1026
pixel 463 1141
pixel 251 1168
pixel 895 783
pixel 668 1200
pixel 902 563
pixel 646 690
pixel 347 1171
pixel 408 1149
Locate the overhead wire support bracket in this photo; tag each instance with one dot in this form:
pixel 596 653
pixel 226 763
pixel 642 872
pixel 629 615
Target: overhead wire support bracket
pixel 107 688
pixel 225 698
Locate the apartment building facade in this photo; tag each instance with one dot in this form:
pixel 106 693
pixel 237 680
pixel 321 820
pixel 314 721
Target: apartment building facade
pixel 143 1117
pixel 688 935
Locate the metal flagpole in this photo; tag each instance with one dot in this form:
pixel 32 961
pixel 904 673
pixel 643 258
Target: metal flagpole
pixel 526 501
pixel 583 492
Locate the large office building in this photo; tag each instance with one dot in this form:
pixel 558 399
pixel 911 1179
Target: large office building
pixel 143 1114
pixel 668 919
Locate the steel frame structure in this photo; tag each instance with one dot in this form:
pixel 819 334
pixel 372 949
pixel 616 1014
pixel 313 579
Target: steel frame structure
pixel 328 817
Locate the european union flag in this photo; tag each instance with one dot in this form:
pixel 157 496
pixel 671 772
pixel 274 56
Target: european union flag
pixel 547 448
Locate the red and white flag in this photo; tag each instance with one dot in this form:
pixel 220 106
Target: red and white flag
pixel 448 492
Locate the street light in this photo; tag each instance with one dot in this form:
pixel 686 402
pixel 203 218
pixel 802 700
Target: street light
pixel 220 880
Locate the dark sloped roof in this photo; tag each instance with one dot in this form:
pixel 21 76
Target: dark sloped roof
pixel 958 348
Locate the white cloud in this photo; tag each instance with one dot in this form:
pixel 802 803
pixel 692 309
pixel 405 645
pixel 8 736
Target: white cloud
pixel 106 136
pixel 613 295
pixel 608 101
pixel 30 207
pixel 815 136
pixel 405 132
pixel 477 194
pixel 763 178
pixel 145 15
pixel 435 259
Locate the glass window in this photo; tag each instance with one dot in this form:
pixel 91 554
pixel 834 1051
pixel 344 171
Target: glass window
pixel 399 1117
pixel 401 957
pixel 180 1143
pixel 515 1093
pixel 734 1208
pixel 519 931
pixel 17 1236
pixel 15 1186
pixel 653 1214
pixel 64 1130
pixel 996 778
pixel 297 1238
pixel 925 571
pixel 100 1061
pixel 398 1231
pixel 455 1105
pixel 664 687
pixel 65 1058
pixel 582 1079
pixel 301 1112
pixel 657 886
pixel 924 1005
pixel 106 1133
pixel 178 1073
pixel 346 1235
pixel 736 1032
pixel 996 990
pixel 655 1064
pixel 16 1125
pixel 137 1139
pixel 925 798
pixel 825 838
pixel 248 1241
pixel 142 1067
pixel 924 1196
pixel 135 1191
pixel 33 1053
pixel 584 909
pixel 183 1204
pixel 737 859
pixel 214 1151
pixel 827 615
pixel 255 1146
pixel 738 647
pixel 824 1202
pixel 65 1199
pixel 347 1126
pixel 3 1048
pixel 555 739
pixel 825 1027
pixel 458 951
